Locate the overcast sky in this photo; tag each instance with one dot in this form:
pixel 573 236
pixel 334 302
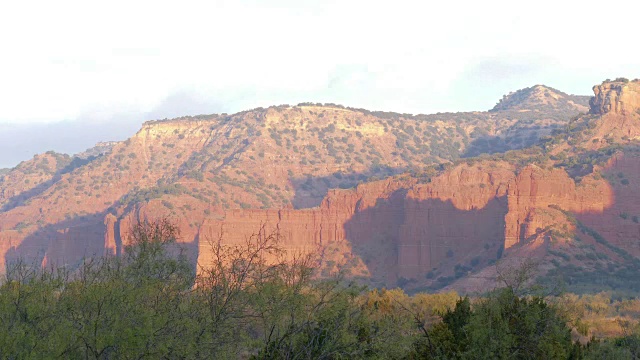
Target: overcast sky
pixel 76 72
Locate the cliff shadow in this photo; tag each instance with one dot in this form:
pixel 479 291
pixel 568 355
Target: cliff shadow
pixel 311 190
pixel 62 244
pixel 66 244
pixel 410 242
pixel 519 136
pixel 24 196
pixel 617 225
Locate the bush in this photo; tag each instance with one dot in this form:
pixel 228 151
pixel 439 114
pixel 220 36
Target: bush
pixel 498 326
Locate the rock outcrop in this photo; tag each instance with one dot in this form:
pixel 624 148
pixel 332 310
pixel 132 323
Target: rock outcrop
pixel 111 236
pixel 619 97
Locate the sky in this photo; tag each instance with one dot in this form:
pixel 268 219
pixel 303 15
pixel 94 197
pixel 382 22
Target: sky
pixel 73 73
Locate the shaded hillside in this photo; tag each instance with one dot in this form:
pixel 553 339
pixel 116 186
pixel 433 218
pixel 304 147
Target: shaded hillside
pixel 29 175
pixel 540 111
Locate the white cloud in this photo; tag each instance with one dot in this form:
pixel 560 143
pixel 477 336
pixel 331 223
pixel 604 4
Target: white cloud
pixel 63 60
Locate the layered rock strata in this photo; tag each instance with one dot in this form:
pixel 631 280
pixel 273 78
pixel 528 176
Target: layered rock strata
pixel 619 97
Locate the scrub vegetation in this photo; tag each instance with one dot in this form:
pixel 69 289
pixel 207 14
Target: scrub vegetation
pixel 148 303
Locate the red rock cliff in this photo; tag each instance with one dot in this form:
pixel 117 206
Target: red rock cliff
pixel 307 230
pixel 455 216
pixel 395 229
pixel 616 97
pixel 534 189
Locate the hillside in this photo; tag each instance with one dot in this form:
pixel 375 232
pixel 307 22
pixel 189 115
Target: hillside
pixel 29 177
pixel 542 100
pixel 335 180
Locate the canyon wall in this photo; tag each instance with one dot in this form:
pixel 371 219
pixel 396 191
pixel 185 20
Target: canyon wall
pixel 468 212
pixel 344 223
pixel 389 229
pixel 618 222
pixel 395 229
pixel 530 194
pixel 453 217
pixel 607 202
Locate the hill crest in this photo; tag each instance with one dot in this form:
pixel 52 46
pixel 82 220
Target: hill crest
pixel 539 98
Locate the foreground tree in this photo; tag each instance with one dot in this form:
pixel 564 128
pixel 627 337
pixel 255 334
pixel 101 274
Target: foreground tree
pixel 500 326
pixel 130 306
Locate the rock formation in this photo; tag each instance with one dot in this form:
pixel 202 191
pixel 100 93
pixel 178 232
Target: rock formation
pixel 535 189
pixel 111 234
pixel 398 229
pixel 331 225
pixel 619 97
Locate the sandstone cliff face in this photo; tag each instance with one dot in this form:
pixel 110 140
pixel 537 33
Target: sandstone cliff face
pixel 606 202
pixel 387 229
pixel 616 97
pixel 112 237
pixel 458 216
pixel 395 229
pixel 618 106
pixel 618 223
pixel 534 189
pixel 542 203
pixel 312 230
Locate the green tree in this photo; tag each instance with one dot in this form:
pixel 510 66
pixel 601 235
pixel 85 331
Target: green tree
pixel 505 326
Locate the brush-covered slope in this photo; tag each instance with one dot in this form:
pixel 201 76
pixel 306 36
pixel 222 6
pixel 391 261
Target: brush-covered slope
pixel 543 101
pixel 17 183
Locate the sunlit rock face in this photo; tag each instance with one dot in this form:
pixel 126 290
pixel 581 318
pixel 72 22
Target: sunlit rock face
pixel 616 97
